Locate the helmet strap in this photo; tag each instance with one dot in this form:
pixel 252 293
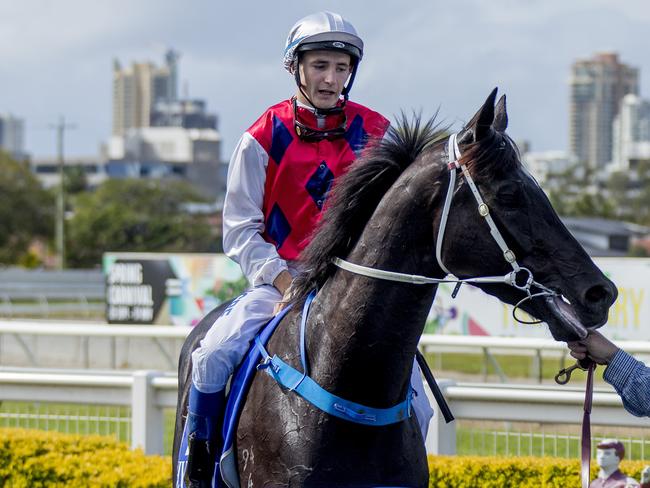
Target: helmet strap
pixel 348 87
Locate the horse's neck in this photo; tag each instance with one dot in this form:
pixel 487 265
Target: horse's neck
pixel 370 328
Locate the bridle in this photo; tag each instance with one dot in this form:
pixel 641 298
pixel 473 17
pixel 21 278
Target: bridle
pixel 520 277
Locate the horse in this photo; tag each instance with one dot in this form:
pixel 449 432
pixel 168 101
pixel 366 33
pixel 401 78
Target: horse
pixel 362 330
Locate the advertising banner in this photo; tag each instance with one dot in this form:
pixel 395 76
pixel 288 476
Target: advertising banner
pixel 179 289
pixel 473 312
pixel 163 289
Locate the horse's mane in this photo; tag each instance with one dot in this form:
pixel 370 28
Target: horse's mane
pixel 355 197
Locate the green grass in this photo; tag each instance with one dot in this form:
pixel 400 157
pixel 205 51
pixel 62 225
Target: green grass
pixel 514 367
pixel 535 440
pixel 109 420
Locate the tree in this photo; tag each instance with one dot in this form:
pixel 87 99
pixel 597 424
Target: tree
pixel 26 210
pixel 588 205
pixel 74 179
pixel 136 216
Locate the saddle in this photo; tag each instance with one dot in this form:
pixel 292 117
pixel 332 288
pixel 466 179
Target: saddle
pixel 225 473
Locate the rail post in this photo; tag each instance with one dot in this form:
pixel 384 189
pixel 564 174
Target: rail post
pixel 146 416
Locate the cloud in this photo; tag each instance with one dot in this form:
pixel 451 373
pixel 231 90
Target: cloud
pixel 56 57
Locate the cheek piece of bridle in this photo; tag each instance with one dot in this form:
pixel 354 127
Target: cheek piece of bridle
pixel 520 278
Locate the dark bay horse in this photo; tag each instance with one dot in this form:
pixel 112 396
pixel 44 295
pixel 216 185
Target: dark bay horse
pixel 362 332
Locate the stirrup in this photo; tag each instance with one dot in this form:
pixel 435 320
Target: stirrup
pixel 200 462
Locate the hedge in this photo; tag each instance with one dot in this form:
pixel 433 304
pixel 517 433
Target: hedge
pixel 524 472
pixel 34 459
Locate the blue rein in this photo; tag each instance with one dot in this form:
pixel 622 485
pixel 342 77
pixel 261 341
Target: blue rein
pixel 303 385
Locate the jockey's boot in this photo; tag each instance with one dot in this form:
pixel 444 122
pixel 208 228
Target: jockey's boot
pixel 204 436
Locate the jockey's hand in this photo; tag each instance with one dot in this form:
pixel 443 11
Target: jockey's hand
pixel 283 283
pixel 595 346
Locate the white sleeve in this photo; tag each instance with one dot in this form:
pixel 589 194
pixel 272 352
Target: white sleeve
pixel 243 219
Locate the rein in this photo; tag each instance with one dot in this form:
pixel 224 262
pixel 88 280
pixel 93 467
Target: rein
pixel 520 277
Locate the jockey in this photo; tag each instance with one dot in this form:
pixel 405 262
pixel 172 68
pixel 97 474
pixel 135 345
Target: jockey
pixel 278 179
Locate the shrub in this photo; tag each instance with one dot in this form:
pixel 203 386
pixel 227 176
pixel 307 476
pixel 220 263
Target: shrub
pixel 34 458
pixel 520 472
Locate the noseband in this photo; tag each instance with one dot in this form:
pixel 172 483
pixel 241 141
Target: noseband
pixel 520 277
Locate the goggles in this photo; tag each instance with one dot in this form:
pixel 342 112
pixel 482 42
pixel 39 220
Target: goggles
pixel 322 124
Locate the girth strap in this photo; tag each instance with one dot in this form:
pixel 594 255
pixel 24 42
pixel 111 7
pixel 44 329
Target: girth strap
pixel 334 405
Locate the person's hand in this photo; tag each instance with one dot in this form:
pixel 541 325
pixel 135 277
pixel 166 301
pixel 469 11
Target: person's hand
pixel 283 283
pixel 595 346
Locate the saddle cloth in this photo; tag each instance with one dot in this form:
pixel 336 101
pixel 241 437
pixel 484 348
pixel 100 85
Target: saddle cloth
pixel 225 473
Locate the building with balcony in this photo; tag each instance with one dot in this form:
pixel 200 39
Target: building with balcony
pixel 598 86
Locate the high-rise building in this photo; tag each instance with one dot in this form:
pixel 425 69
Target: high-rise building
pixel 190 114
pixel 158 135
pixel 631 133
pixel 597 87
pixel 136 90
pixel 12 135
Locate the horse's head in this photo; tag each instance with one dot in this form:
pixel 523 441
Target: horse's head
pixel 530 228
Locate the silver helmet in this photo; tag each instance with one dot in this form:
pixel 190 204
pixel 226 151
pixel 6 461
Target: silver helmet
pixel 323 31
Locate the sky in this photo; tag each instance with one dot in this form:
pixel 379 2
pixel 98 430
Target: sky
pixel 56 58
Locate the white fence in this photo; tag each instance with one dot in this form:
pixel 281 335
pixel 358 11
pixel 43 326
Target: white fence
pixel 148 393
pixel 156 335
pixel 45 292
pixel 144 395
pixel 85 331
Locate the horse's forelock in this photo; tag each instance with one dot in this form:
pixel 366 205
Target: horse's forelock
pixel 492 154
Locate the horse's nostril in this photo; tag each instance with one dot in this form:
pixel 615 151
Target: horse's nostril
pixel 596 294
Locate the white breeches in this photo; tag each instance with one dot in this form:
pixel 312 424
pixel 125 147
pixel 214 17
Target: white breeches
pixel 229 338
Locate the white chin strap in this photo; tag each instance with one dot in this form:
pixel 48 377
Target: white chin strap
pixel 484 211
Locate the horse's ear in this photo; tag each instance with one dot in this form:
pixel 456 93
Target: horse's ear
pixel 481 124
pixel 485 117
pixel 501 115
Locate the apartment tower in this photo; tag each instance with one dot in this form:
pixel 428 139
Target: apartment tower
pixel 598 86
pixel 137 88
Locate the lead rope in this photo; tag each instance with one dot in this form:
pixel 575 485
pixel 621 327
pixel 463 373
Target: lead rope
pixel 586 427
pixel 562 378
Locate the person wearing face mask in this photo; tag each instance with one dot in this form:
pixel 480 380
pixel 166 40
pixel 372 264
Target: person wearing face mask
pixel 279 177
pixel 609 454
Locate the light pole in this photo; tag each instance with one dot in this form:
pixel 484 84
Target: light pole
pixel 60 195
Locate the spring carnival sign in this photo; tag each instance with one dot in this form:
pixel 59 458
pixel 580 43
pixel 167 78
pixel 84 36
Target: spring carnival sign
pixel 164 289
pixel 473 312
pixel 179 289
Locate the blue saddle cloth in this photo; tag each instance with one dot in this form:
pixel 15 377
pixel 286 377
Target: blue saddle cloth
pixel 225 474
